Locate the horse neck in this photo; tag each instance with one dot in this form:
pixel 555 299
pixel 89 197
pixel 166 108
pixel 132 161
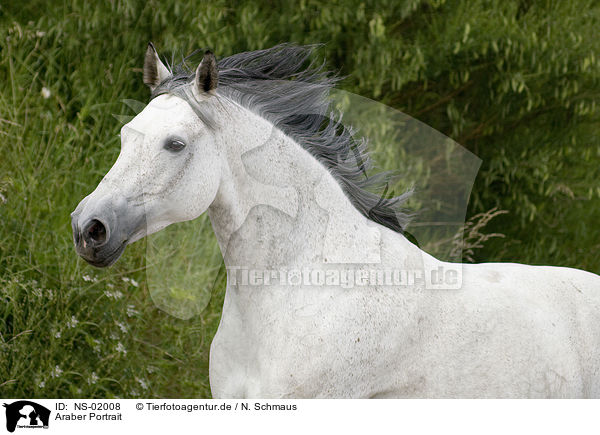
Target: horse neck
pixel 272 188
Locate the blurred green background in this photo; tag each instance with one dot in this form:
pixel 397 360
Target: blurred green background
pixel 516 82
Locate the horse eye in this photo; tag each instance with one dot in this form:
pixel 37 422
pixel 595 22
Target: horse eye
pixel 174 145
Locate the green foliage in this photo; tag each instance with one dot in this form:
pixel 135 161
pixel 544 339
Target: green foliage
pixel 517 82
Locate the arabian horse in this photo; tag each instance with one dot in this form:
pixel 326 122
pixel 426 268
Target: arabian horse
pixel 249 140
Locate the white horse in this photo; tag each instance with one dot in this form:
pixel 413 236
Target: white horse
pixel 325 295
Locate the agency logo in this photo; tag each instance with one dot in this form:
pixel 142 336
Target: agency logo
pixel 26 414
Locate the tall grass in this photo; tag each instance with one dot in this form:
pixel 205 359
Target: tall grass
pixel 67 329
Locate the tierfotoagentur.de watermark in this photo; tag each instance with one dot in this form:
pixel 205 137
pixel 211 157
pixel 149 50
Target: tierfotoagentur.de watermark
pixel 440 278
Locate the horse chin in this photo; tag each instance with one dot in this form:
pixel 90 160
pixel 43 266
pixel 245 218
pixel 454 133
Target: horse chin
pixel 106 260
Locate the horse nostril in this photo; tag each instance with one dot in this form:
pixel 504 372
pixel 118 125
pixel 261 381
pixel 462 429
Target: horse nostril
pixel 95 233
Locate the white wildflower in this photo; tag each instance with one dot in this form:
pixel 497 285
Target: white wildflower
pixel 46 93
pixel 42 384
pixel 131 311
pixel 40 34
pixel 72 323
pixel 93 378
pixel 122 327
pixel 96 346
pixel 57 334
pixel 113 295
pixel 142 383
pixel 131 281
pixel 56 372
pixel 120 348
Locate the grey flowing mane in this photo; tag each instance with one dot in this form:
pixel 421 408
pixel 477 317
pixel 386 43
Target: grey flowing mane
pixel 277 84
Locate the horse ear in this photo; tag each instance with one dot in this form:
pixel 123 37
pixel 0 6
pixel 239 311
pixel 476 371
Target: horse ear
pixel 207 75
pixel 154 70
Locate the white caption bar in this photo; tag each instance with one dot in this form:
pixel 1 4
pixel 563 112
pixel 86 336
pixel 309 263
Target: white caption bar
pixel 150 416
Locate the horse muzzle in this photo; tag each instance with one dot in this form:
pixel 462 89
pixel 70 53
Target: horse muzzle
pixel 101 229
